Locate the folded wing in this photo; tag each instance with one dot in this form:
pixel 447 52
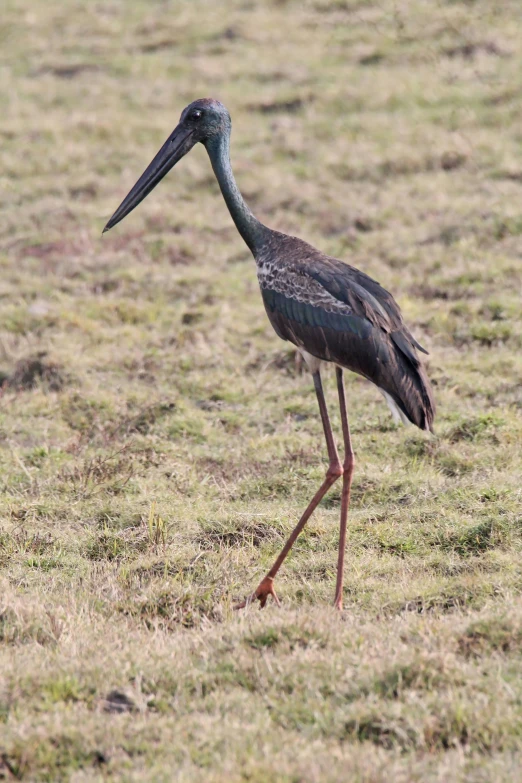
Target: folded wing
pixel 341 315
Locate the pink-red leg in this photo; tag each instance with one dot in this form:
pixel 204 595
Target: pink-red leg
pixel 335 470
pixel 349 463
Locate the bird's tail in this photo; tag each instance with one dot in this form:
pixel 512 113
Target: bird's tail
pixel 409 394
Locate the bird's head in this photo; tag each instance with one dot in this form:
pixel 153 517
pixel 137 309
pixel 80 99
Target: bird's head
pixel 201 121
pixel 205 118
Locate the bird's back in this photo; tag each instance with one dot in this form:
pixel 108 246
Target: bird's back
pixel 339 314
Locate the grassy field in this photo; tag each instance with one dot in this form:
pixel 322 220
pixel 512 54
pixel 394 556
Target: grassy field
pixel 158 442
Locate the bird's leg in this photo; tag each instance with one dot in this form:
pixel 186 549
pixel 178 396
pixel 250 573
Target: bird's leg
pixel 349 463
pixel 335 470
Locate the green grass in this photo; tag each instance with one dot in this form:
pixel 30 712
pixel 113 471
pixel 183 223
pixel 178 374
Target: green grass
pixel 158 442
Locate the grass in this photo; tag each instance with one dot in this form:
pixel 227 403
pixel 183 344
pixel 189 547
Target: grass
pixel 158 442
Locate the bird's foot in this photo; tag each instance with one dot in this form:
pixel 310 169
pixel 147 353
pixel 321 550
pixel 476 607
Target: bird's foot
pixel 266 588
pixel 338 603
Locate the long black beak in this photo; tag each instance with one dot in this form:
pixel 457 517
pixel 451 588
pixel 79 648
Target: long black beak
pixel 177 145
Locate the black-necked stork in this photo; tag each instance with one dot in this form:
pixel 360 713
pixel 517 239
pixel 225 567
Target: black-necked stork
pixel 329 310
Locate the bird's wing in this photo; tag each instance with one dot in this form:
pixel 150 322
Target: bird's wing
pixel 349 340
pixel 367 298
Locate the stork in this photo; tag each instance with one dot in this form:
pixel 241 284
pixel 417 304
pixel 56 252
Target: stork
pixel 330 311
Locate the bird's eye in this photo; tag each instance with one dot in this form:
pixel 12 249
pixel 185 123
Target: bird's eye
pixel 196 115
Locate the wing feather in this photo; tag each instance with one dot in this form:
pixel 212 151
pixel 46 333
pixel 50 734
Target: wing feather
pixel 355 343
pixel 366 297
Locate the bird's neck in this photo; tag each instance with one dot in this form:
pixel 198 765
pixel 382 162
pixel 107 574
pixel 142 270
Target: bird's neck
pixel 251 229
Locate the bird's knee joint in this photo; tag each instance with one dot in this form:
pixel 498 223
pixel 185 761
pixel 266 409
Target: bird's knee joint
pixel 335 471
pixel 349 463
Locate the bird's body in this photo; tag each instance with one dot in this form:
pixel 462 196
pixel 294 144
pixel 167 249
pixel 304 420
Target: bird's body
pixel 338 314
pixel 329 310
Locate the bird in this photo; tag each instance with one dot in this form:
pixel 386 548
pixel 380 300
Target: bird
pixel 330 311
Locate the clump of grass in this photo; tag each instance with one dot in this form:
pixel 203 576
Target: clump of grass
pixel 64 689
pixel 34 370
pixel 173 606
pixel 384 732
pixel 424 673
pixel 494 634
pixel 157 527
pixel 24 624
pixel 291 636
pixel 238 533
pixel 103 473
pixel 478 427
pixel 106 544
